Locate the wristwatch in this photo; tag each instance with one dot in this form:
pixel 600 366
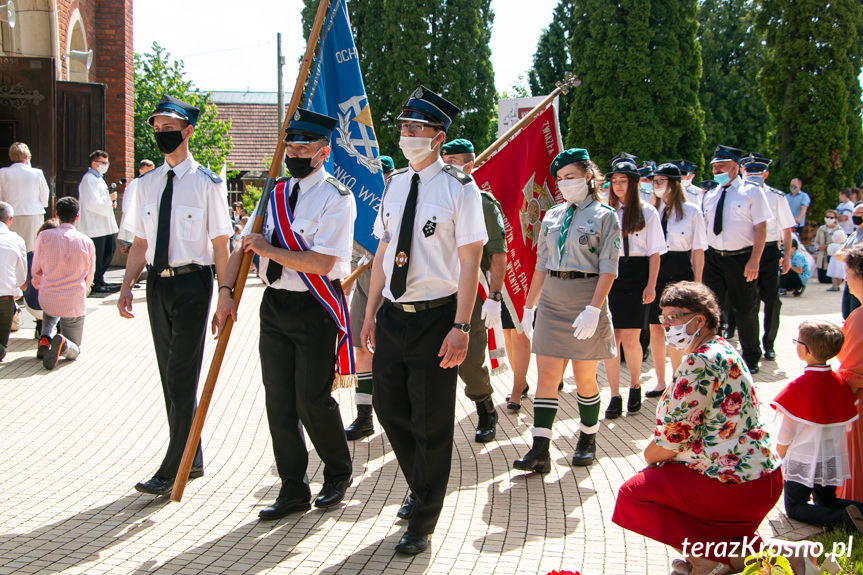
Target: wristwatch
pixel 462 327
pixel 496 296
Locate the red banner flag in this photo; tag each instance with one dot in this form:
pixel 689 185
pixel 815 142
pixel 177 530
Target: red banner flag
pixel 518 176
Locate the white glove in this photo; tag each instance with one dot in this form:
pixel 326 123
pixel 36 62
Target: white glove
pixel 527 321
pixel 586 322
pixel 491 313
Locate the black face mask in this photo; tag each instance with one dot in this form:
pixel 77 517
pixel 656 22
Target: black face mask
pixel 169 141
pixel 300 167
pixel 857 220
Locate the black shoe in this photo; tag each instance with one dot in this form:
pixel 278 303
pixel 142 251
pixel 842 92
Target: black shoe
pixel 285 506
pixel 654 393
pixel 363 425
pixel 196 472
pixel 523 392
pixel 332 493
pixel 486 427
pixel 52 356
pixel 645 353
pixel 512 406
pixel 43 347
pixel 100 289
pixel 633 402
pixel 560 386
pixel 413 543
pixel 753 367
pixel 407 508
pixel 155 486
pixel 537 460
pixel 585 449
pixel 615 408
pixel 770 355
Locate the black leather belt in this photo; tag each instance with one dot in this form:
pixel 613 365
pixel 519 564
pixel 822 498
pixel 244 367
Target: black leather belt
pixel 570 275
pixel 776 243
pixel 414 307
pixel 733 253
pixel 178 271
pixel 7 298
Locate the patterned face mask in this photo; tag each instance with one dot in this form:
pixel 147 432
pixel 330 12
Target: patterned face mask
pixel 676 336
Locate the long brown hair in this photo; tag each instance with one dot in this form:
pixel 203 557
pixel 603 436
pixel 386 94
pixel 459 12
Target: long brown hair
pixel 674 198
pixel 633 217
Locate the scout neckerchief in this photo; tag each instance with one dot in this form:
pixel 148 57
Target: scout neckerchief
pixel 561 240
pixel 320 287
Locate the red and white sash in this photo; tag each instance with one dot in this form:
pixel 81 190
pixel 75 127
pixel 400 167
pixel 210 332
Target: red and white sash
pixel 320 287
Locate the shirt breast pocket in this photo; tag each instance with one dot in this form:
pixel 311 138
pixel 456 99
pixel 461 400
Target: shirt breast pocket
pixel 434 222
pixel 150 221
pixel 306 229
pixel 191 220
pixel 391 219
pixel 587 238
pixel 740 211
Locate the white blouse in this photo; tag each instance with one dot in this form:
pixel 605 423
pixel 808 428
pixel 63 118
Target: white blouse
pixel 816 454
pixel 647 241
pixel 687 233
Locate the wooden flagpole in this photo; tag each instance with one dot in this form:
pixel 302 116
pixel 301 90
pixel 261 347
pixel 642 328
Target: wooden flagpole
pixel 219 355
pixel 569 81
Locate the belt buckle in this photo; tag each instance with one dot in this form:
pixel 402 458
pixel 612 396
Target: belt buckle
pixel 409 307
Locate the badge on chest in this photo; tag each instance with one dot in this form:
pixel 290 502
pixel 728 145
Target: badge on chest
pixel 429 228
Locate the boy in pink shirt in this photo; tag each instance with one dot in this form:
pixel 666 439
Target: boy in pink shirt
pixel 64 262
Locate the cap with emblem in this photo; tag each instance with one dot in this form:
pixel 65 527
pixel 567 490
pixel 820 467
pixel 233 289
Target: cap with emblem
pixel 669 170
pixel 307 126
pixel 387 164
pixel 726 153
pixel 685 166
pixel 427 107
pixel 645 170
pixel 624 166
pixel 567 157
pixel 170 106
pixel 459 146
pixel 707 185
pixel 624 156
pixel 755 163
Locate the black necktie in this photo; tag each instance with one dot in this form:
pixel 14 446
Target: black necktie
pixel 665 222
pixel 626 247
pixel 274 268
pixel 399 279
pixel 720 207
pixel 163 232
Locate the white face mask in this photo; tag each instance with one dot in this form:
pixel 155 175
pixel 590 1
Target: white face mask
pixel 829 221
pixel 645 187
pixel 103 168
pixel 573 190
pixel 415 148
pixel 676 336
pixel 659 192
pixel 756 179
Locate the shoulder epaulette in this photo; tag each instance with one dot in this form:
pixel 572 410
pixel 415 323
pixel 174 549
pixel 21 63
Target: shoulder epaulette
pixel 607 207
pixel 457 174
pixel 343 189
pixel 210 174
pixel 400 171
pixel 775 191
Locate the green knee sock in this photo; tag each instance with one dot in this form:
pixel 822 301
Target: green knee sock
pixel 544 412
pixel 588 410
pixel 364 388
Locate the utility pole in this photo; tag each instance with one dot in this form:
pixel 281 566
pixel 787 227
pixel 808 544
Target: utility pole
pixel 281 97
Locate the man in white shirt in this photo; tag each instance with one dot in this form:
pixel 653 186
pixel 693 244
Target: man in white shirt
pixel 26 190
pixel 179 217
pixel 13 273
pixel 97 218
pixel 124 236
pixel 844 211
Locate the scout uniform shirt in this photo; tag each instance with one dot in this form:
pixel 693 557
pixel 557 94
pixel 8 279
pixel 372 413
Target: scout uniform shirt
pixel 324 217
pixel 592 241
pixel 685 234
pixel 199 213
pixel 448 216
pixel 495 229
pixel 745 207
pixel 648 240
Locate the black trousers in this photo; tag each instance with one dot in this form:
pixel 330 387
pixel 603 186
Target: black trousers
pixel 724 275
pixel 473 371
pixel 104 255
pixel 849 302
pixel 768 292
pixel 7 313
pixel 179 307
pixel 826 510
pixel 791 281
pixel 415 402
pixel 298 356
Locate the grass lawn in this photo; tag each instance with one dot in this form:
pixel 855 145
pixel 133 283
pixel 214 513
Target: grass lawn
pixel 851 563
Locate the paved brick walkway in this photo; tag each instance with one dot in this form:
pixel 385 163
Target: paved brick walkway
pixel 74 442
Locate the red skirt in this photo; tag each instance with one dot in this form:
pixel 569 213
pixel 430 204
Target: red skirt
pixel 673 503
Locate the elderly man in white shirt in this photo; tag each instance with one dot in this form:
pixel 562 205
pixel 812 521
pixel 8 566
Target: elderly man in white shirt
pixel 26 190
pixel 97 215
pixel 13 273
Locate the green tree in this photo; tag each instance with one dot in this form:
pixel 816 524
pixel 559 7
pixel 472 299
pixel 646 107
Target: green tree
pixel 732 55
pixel 441 45
pixel 639 64
pixel 810 82
pixel 552 60
pixel 156 74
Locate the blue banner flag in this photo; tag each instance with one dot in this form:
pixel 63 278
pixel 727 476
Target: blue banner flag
pixel 336 89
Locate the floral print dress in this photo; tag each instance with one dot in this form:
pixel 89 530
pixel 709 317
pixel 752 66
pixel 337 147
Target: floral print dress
pixel 709 417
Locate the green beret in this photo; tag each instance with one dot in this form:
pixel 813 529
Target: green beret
pixel 460 146
pixel 387 164
pixel 567 157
